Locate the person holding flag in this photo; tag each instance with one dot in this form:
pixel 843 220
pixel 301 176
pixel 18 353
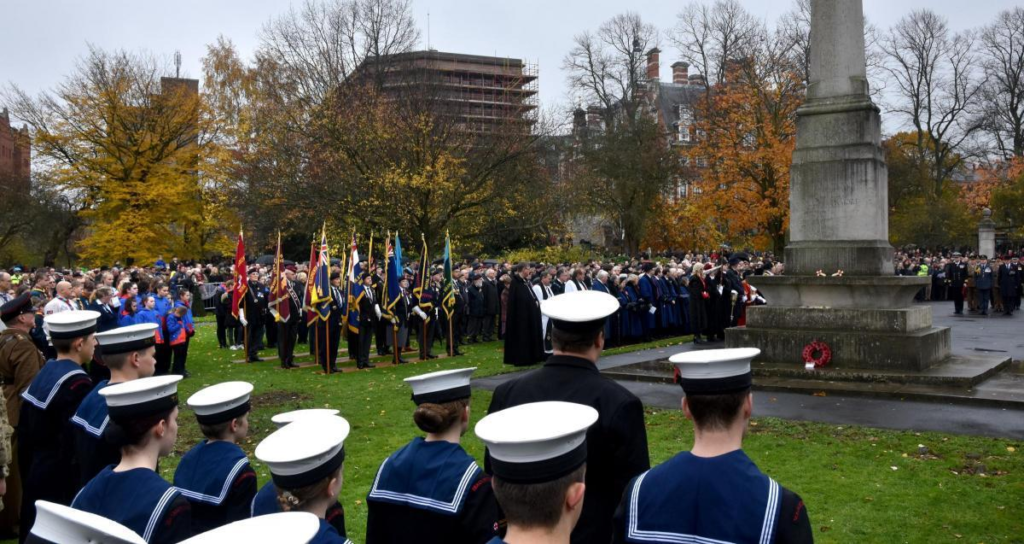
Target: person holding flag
pixel 423 308
pixel 326 290
pixel 448 299
pixel 399 303
pixel 284 306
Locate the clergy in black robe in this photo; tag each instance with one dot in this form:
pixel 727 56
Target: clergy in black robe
pixel 617 443
pixel 524 344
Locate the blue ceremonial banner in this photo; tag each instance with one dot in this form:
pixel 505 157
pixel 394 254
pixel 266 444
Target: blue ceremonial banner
pixel 322 280
pixel 448 289
pixel 394 274
pixel 355 288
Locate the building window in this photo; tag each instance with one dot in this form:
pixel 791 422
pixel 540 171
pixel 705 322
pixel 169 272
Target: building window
pixel 685 123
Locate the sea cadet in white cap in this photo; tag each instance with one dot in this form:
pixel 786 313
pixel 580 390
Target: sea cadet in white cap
pixel 713 493
pixel 281 528
pixel 305 459
pixel 215 475
pixel 431 490
pixel 539 458
pixel 144 423
pixel 130 353
pixel 59 524
pixel 45 453
pixel 265 502
pixel 618 442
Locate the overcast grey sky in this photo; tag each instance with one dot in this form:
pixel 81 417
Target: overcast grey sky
pixel 41 39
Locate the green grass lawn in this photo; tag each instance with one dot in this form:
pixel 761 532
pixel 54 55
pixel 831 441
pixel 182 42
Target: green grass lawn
pixel 859 484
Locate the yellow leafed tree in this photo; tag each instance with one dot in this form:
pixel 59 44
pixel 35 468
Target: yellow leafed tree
pixel 137 151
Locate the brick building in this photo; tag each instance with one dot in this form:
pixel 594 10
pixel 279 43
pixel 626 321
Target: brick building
pixel 671 102
pixel 15 153
pixel 481 93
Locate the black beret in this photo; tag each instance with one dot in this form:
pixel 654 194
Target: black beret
pixel 16 306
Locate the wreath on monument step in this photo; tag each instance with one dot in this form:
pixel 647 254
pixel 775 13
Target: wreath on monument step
pixel 817 352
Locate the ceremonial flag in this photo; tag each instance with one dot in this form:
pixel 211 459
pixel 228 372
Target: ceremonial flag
pixel 369 256
pixel 307 298
pixel 355 288
pixel 241 286
pixel 278 302
pixel 322 279
pixel 448 298
pixel 419 282
pixel 394 274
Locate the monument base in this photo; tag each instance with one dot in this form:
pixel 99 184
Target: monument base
pixel 861 349
pixel 867 322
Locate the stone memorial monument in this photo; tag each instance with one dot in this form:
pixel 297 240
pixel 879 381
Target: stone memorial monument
pixel 839 286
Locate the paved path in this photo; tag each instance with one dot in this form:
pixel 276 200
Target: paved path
pixel 971 334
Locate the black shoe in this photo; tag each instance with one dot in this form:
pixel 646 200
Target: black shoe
pixel 255 360
pixel 286 366
pixel 403 361
pixel 430 356
pixel 457 352
pixel 369 365
pixel 186 374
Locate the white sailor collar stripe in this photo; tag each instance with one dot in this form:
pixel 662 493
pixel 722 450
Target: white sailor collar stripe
pixel 634 533
pixel 426 502
pixel 195 495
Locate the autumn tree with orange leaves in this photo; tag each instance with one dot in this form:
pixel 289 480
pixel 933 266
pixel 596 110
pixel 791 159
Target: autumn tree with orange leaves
pixel 746 133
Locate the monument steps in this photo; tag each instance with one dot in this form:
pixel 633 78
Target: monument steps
pixel 978 380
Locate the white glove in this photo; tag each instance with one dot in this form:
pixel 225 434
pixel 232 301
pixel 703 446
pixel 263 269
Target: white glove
pixel 734 292
pixel 743 298
pixel 376 309
pixel 760 299
pixel 241 319
pixel 419 311
pixel 652 310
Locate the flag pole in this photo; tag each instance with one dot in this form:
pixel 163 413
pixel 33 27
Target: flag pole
pixel 316 328
pixel 327 322
pixel 394 324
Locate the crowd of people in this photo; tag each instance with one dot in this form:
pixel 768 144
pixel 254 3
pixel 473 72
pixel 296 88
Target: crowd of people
pixel 566 455
pixel 984 284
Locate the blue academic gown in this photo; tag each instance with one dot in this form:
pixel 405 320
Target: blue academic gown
pixel 265 502
pixel 45 442
pixel 217 480
pixel 717 499
pixel 93 452
pixel 140 500
pixel 600 287
pixel 431 492
pixel 649 294
pixel 632 320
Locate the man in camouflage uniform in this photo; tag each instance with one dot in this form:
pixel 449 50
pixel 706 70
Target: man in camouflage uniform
pixel 20 361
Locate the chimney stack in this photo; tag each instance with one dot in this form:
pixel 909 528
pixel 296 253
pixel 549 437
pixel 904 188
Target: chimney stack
pixel 696 79
pixel 680 71
pixel 653 68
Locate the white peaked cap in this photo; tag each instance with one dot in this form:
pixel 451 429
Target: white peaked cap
pixel 127 339
pixel 579 310
pixel 221 402
pixel 285 418
pixel 537 442
pixel 304 452
pixel 142 397
pixel 279 528
pixel 441 387
pixel 71 324
pixel 715 371
pixel 65 525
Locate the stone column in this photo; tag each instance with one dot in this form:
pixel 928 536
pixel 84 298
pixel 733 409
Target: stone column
pixel 839 188
pixel 987 235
